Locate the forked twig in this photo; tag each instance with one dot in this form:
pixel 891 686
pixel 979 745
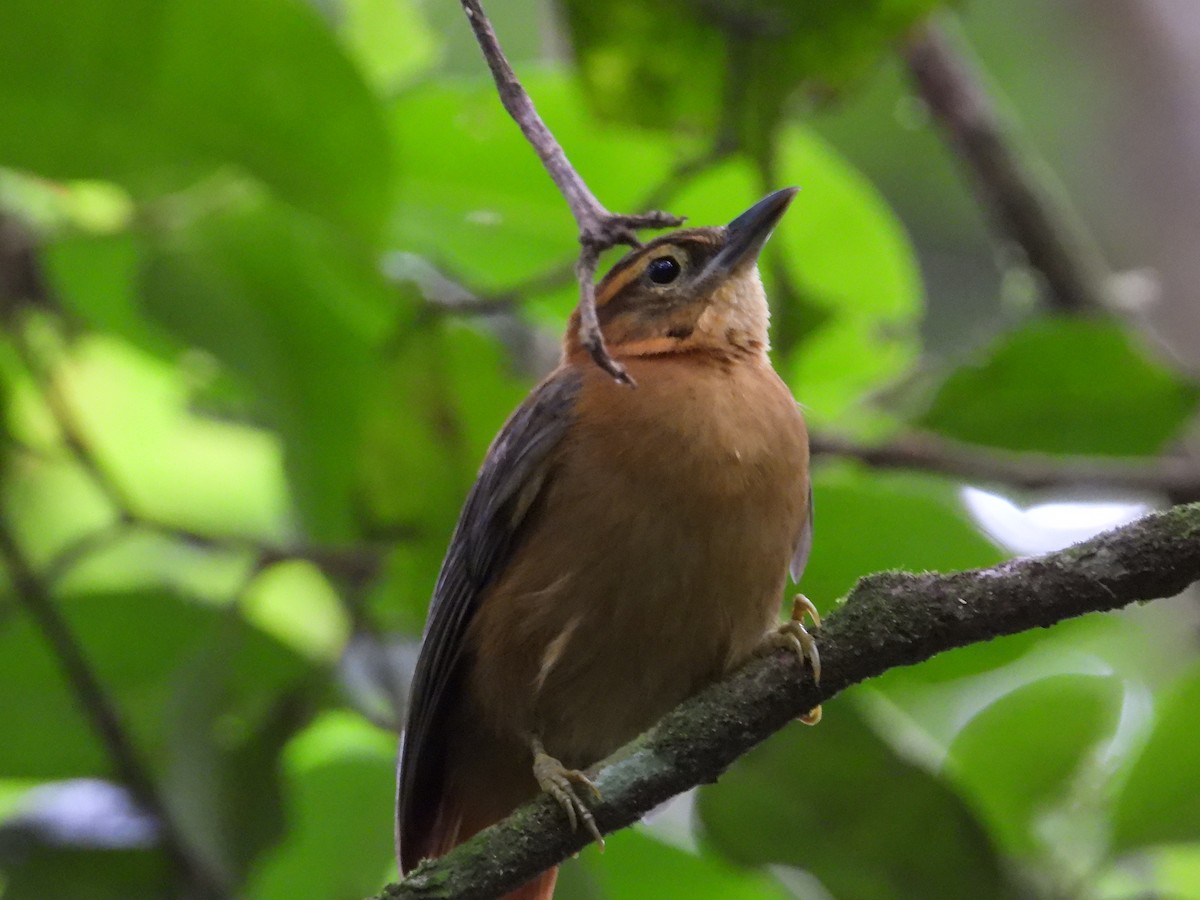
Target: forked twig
pixel 599 229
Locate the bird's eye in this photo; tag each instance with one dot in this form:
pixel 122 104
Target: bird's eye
pixel 663 269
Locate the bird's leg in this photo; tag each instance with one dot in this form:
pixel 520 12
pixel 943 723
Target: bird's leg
pixel 559 782
pixel 792 635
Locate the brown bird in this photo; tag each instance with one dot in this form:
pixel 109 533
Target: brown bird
pixel 620 549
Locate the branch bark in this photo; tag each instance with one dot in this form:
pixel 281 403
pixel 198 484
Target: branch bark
pixel 890 619
pixel 599 229
pixel 1027 205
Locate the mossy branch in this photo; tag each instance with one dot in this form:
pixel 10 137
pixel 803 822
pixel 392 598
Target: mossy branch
pixel 888 620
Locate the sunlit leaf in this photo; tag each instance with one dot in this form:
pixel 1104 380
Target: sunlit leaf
pixel 1171 871
pixel 133 92
pixel 340 776
pixel 389 39
pixel 298 312
pixel 168 464
pixel 294 603
pixel 1160 800
pixel 677 64
pixel 1055 721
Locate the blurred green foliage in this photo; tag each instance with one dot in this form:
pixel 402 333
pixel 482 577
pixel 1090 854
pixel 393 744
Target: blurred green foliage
pixel 240 414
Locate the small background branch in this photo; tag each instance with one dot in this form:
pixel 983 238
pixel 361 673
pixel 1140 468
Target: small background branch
pixel 1175 477
pixel 103 715
pixel 1026 203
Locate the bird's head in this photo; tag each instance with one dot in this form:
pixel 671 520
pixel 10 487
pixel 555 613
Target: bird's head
pixel 694 289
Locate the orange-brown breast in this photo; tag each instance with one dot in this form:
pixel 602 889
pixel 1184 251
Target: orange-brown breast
pixel 653 562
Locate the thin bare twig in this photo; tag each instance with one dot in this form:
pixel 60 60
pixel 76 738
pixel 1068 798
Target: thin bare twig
pixel 102 714
pixel 452 296
pixel 1028 206
pixel 1177 478
pixel 599 229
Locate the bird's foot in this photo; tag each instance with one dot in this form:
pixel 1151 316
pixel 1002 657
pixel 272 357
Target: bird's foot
pixel 792 635
pixel 559 782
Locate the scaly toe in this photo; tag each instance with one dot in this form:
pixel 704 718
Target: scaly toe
pixel 559 782
pixel 792 635
pixel 812 717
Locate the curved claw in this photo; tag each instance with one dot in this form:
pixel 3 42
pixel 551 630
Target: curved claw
pixel 792 635
pixel 559 782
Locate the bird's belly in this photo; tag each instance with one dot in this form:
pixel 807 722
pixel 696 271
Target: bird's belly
pixel 669 575
pixel 650 638
pixel 597 651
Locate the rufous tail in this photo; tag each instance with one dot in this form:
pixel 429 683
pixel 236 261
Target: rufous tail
pixel 541 888
pixel 457 822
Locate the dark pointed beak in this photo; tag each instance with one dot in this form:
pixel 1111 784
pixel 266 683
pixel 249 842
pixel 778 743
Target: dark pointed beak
pixel 745 235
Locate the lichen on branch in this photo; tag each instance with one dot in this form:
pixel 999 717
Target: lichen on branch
pixel 888 620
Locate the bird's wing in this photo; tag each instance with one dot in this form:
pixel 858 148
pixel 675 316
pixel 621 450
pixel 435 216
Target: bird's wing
pixel 489 526
pixel 804 543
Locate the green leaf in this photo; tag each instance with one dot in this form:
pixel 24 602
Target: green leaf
pixel 293 602
pixel 235 704
pixel 144 648
pixel 1018 755
pixel 634 859
pixel 153 92
pixel 916 523
pixel 298 312
pixel 170 464
pixel 475 198
pixel 679 64
pixel 55 502
pixel 95 276
pixel 47 734
pixel 95 874
pixel 842 250
pixel 842 240
pixel 1172 871
pixel 390 40
pixel 339 770
pixel 12 795
pixel 848 254
pixel 456 389
pixel 835 801
pixel 1160 800
pixel 1058 386
pixel 207 701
